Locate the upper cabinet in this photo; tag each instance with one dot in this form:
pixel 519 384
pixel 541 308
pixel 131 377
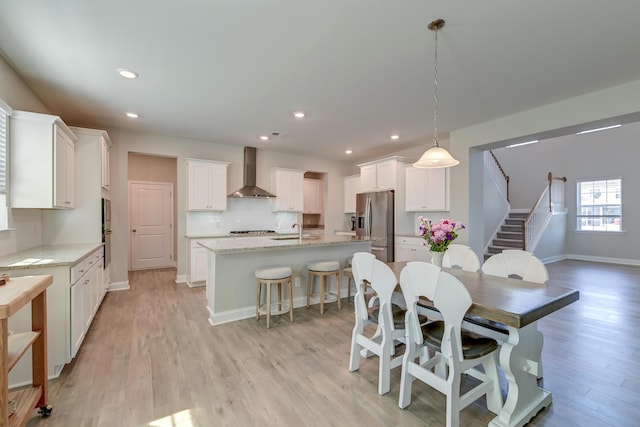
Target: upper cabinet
pixel 105 152
pixel 351 188
pixel 312 196
pixel 84 222
pixel 287 184
pixel 42 162
pixel 426 189
pixel 381 174
pixel 206 185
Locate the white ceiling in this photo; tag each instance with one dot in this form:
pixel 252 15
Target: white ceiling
pixel 228 71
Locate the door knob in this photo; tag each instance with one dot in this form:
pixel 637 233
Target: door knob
pixel 134 230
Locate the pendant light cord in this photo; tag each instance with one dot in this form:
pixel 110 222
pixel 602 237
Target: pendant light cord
pixel 435 94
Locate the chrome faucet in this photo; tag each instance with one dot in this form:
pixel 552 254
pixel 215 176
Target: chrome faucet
pixel 299 230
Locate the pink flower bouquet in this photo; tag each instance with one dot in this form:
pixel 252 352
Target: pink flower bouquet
pixel 438 235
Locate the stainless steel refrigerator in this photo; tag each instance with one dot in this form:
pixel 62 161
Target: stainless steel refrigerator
pixel 374 218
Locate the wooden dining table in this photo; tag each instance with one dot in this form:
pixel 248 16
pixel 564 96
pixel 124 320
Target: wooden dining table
pixel 516 305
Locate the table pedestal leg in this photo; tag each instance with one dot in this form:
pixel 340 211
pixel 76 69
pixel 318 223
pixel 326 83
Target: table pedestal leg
pixel 518 358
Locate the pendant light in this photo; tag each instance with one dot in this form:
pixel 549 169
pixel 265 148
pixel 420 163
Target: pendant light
pixel 436 156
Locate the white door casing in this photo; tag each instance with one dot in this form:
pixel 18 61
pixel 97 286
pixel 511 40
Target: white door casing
pixel 151 224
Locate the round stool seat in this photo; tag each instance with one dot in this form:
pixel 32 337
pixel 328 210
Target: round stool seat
pixel 324 266
pixel 273 273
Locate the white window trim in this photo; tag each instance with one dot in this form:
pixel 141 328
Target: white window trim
pixel 609 232
pixel 4 210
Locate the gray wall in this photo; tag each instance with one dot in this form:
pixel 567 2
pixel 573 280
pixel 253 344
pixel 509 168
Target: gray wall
pixel 605 154
pixel 616 104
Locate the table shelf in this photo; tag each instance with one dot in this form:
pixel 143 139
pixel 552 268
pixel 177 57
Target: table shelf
pixel 26 400
pixel 18 345
pixel 13 296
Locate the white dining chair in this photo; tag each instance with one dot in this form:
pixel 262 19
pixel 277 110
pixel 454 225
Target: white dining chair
pixel 386 311
pixel 457 351
pixel 516 264
pixel 461 256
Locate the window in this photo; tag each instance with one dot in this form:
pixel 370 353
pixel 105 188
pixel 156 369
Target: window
pixel 599 205
pixel 5 111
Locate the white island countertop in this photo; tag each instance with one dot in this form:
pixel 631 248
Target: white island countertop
pixel 262 243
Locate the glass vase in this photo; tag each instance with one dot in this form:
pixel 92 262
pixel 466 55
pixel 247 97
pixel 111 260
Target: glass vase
pixel 436 258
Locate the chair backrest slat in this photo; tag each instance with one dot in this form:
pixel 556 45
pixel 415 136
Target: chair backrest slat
pixel 515 262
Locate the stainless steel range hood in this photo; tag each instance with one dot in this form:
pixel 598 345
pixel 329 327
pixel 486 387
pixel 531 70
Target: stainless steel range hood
pixel 250 189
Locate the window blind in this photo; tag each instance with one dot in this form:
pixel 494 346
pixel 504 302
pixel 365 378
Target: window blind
pixel 4 134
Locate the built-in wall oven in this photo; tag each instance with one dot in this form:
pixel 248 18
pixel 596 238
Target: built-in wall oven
pixel 106 230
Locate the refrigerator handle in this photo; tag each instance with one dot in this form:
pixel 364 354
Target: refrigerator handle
pixel 368 216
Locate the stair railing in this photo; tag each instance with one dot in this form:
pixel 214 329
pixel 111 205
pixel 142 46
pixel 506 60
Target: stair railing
pixel 551 199
pixel 500 178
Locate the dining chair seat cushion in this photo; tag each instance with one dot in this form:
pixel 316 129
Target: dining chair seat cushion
pixel 398 314
pixel 273 273
pixel 473 345
pixel 324 266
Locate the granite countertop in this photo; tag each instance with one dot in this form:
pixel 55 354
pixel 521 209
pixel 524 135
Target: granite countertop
pixel 261 243
pixel 48 256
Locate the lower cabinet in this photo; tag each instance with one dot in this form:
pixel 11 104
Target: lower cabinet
pixel 197 264
pixel 87 291
pixel 411 249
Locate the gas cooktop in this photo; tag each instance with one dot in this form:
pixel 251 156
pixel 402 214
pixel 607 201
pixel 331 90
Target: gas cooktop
pixel 253 232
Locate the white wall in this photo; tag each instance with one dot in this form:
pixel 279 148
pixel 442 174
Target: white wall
pixel 607 154
pixel 125 142
pixel 561 118
pixel 26 223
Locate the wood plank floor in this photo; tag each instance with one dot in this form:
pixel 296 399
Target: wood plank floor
pixel 151 359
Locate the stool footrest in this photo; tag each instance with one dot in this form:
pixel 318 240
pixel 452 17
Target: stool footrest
pixel 329 297
pixel 274 312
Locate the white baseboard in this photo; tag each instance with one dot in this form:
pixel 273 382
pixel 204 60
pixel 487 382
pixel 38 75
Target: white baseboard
pixel 196 284
pixel 119 286
pixel 181 279
pixel 623 261
pixel 248 312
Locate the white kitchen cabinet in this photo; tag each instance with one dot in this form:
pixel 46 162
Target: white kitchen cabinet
pixel 426 189
pixel 84 222
pixel 381 174
pixel 77 316
pixel 287 184
pixel 198 264
pixel 87 291
pixel 352 187
pixel 411 249
pixel 42 162
pixel 105 153
pixel 312 203
pixel 206 185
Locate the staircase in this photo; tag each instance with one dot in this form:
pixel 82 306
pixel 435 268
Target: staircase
pixel 509 236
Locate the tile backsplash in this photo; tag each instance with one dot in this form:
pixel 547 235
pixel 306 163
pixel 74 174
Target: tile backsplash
pixel 241 214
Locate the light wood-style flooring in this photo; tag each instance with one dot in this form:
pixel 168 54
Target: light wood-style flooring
pixel 152 359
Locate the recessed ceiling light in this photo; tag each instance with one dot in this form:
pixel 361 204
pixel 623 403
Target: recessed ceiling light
pixel 127 74
pixel 264 137
pixel 132 115
pixel 522 143
pixel 299 114
pixel 395 136
pixel 598 129
pixel 348 151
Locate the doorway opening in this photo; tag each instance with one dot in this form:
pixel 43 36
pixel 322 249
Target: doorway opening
pixel 152 211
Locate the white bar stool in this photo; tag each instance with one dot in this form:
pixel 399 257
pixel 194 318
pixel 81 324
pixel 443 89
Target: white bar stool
pixel 273 276
pixel 322 269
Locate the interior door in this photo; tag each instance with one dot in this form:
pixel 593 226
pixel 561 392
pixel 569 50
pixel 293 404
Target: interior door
pixel 151 219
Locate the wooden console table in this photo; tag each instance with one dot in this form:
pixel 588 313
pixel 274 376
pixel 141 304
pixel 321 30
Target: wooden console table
pixel 14 295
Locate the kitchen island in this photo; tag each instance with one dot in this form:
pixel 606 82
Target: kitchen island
pixel 231 283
